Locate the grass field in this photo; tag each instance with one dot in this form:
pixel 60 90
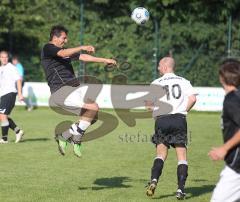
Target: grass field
pixel 115 167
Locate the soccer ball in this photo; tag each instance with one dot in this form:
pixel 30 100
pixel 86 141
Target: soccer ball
pixel 140 15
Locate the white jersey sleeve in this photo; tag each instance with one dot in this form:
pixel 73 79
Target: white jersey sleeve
pixel 188 89
pixel 14 73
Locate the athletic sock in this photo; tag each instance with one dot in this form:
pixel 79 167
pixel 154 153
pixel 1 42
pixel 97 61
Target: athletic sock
pixel 83 125
pixel 182 173
pixel 13 125
pixel 5 132
pixel 157 169
pixel 5 127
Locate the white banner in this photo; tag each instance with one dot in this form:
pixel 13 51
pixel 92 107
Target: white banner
pixel 38 93
pixel 35 94
pixel 209 99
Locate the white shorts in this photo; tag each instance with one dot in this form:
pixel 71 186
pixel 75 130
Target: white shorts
pixel 228 187
pixel 76 98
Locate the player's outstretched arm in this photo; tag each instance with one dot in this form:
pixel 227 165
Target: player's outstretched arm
pixel 90 58
pixel 68 52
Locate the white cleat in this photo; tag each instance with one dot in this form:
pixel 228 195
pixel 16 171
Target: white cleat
pixel 2 141
pixel 19 136
pixel 180 195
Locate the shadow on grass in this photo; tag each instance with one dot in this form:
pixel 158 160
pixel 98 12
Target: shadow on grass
pixel 35 139
pixel 191 192
pixel 108 183
pixel 199 180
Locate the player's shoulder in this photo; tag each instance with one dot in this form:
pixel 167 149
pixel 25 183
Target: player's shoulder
pixel 233 96
pixel 156 81
pixel 232 99
pixel 181 78
pixel 10 66
pixel 169 77
pixel 48 45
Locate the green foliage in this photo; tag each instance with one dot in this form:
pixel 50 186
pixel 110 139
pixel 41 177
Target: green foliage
pixel 184 27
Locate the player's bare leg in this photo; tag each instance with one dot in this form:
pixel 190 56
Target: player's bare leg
pixel 77 130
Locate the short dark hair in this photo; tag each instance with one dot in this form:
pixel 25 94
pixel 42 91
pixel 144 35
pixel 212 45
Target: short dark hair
pixel 230 72
pixel 15 57
pixel 56 30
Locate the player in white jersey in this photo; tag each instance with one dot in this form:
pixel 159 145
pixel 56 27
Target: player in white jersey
pixel 9 77
pixel 171 128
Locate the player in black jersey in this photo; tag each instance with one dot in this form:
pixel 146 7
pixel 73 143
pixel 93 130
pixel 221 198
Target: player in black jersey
pixel 56 61
pixel 228 187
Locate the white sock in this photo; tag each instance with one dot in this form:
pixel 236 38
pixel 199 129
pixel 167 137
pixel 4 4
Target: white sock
pixel 83 125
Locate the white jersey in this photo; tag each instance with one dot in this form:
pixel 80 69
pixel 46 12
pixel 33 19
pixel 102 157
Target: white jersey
pixel 177 91
pixel 8 77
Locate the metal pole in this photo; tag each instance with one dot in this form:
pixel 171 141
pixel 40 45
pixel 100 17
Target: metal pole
pixel 81 70
pixel 156 48
pixel 229 36
pixel 10 28
pixel 193 59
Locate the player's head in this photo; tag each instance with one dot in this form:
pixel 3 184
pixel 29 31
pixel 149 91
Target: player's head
pixel 4 57
pixel 58 35
pixel 229 73
pixel 166 65
pixel 15 59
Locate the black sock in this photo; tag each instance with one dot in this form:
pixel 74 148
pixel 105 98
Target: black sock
pixel 182 173
pixel 13 126
pixel 157 168
pixel 5 132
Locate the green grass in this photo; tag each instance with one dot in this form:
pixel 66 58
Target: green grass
pixel 115 167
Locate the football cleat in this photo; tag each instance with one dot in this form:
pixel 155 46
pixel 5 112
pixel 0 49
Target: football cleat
pixel 2 141
pixel 19 136
pixel 151 188
pixel 77 150
pixel 62 145
pixel 180 195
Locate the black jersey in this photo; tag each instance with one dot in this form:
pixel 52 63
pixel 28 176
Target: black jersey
pixel 58 70
pixel 231 124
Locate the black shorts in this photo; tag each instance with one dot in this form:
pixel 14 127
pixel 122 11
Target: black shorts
pixel 7 102
pixel 170 130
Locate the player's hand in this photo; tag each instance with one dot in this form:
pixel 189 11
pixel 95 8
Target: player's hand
pixel 217 153
pixel 148 105
pixel 110 62
pixel 89 49
pixel 20 98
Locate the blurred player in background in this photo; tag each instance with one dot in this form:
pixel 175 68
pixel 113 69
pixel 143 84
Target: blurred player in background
pixel 228 187
pixel 171 128
pixel 10 85
pixel 56 61
pixel 20 68
pixel 21 71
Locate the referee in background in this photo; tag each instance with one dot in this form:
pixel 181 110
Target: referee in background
pixel 171 128
pixel 9 77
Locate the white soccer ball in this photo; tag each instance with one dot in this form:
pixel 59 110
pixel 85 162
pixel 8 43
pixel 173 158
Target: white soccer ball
pixel 140 15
